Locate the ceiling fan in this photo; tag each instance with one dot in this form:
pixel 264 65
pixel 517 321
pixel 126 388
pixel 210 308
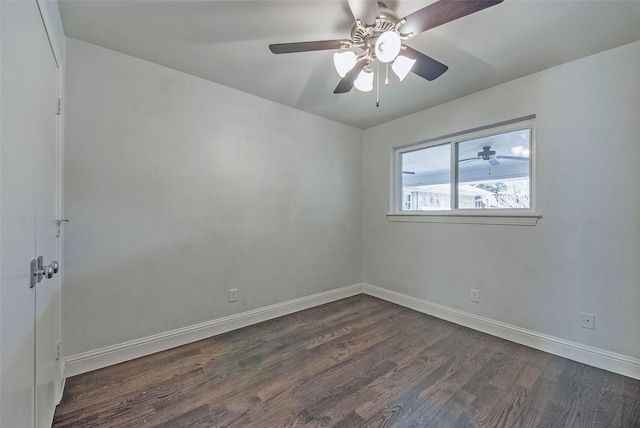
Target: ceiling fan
pixel 378 36
pixel 490 156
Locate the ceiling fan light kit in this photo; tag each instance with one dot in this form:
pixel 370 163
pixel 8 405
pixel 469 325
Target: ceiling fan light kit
pixel 364 81
pixel 344 61
pixel 387 46
pixel 402 66
pixel 380 40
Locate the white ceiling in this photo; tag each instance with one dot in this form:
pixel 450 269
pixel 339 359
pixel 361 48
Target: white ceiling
pixel 227 42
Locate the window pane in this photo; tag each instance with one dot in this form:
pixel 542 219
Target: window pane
pixel 426 179
pixel 493 171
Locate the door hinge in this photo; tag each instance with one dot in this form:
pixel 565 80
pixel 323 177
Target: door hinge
pixel 59 108
pixel 59 223
pixel 57 350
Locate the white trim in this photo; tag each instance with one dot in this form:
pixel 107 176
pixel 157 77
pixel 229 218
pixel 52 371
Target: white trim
pixel 611 361
pixel 99 358
pixel 511 219
pixel 57 42
pixel 54 38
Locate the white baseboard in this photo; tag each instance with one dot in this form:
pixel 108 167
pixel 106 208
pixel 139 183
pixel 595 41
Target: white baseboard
pixel 99 358
pixel 617 363
pixel 110 355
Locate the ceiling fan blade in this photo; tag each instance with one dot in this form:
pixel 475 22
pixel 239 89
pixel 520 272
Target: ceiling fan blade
pixel 320 45
pixel 364 10
pixel 468 160
pixel 346 83
pixel 441 12
pixel 493 162
pixel 425 67
pixel 513 158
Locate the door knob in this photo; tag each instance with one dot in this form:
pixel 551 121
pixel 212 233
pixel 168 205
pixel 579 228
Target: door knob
pixel 39 270
pixel 49 271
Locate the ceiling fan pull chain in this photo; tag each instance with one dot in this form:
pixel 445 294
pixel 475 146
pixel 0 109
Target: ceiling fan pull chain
pixel 378 84
pixel 386 78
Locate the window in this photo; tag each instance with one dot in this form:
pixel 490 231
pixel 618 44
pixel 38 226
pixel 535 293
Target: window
pixel 426 178
pixel 475 172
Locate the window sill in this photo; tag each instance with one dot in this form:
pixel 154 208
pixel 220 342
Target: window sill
pixel 509 219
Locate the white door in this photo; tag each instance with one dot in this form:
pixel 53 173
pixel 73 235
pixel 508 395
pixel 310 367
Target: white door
pixel 46 304
pixel 28 180
pixel 17 218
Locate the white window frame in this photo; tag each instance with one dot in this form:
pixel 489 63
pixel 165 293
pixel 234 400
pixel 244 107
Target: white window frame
pixel 506 216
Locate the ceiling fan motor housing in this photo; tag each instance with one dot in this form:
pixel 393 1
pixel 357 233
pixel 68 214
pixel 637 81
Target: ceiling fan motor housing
pixel 365 36
pixel 486 153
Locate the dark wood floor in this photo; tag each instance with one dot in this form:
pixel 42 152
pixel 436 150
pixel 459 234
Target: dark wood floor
pixel 358 362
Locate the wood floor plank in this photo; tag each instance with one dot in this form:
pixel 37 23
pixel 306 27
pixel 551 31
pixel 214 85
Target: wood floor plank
pixel 357 362
pixel 427 367
pixel 501 390
pixel 431 400
pixel 630 403
pixel 322 375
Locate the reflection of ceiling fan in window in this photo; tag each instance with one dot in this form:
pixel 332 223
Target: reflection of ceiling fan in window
pixel 490 155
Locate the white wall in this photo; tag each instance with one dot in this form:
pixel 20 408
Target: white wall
pixel 583 254
pixel 179 189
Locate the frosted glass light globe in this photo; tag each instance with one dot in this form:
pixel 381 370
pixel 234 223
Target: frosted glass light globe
pixel 364 82
pixel 388 46
pixel 402 66
pixel 344 61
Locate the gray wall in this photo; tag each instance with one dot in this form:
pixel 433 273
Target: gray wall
pixel 179 189
pixel 583 254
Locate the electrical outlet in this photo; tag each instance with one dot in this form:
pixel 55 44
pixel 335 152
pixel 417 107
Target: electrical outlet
pixel 233 294
pixel 588 321
pixel 473 295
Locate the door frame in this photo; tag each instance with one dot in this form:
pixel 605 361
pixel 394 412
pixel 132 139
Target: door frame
pixel 50 15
